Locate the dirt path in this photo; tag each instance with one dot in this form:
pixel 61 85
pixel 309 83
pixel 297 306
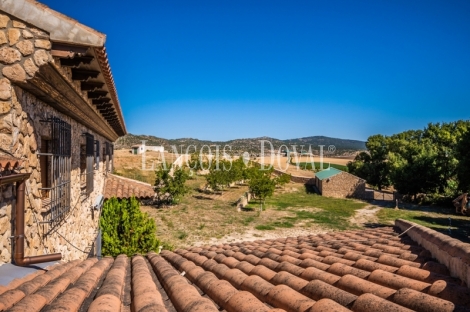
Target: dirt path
pixel 252 235
pixel 365 215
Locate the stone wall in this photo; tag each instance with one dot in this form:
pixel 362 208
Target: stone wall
pixel 296 179
pixel 22 50
pixel 243 201
pixel 451 252
pixel 343 185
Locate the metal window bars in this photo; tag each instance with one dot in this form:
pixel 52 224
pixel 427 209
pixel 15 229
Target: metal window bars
pixel 90 154
pixel 111 156
pixel 97 154
pixel 107 154
pixel 60 170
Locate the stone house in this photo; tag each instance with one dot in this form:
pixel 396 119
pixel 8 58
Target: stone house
pixel 59 117
pixel 332 182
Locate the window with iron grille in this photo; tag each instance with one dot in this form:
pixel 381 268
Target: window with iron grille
pixel 107 154
pixel 97 155
pixel 89 154
pixel 57 154
pixel 111 156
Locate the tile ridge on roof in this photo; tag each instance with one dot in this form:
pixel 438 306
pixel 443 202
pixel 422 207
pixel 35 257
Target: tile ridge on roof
pixel 103 62
pixel 451 252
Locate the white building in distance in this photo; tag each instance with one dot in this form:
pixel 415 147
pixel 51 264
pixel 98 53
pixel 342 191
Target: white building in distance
pixel 141 148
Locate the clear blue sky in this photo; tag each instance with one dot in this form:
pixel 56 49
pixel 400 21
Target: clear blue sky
pixel 228 69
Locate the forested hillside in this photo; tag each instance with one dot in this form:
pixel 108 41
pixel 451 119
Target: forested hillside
pixel 253 145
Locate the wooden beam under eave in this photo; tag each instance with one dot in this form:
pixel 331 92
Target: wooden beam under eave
pixel 84 74
pixel 101 101
pixel 66 50
pixel 76 61
pixel 97 94
pixel 91 85
pixel 49 85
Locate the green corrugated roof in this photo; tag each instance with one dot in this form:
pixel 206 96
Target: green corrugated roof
pixel 327 173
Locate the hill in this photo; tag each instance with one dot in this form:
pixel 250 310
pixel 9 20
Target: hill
pixel 252 145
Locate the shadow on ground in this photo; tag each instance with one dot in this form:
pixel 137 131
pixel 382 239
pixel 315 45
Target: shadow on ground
pixel 202 197
pixel 461 232
pixel 440 219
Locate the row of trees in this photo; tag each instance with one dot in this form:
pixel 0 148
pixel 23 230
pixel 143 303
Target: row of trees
pixel 219 176
pixel 261 183
pixel 434 161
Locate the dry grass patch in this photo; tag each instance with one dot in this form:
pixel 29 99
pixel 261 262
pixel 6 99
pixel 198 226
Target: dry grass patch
pixel 213 218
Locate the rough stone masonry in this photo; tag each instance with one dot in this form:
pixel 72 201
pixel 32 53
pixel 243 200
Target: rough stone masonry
pixel 23 50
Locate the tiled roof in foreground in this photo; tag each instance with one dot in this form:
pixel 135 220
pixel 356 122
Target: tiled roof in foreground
pixel 120 187
pixel 363 270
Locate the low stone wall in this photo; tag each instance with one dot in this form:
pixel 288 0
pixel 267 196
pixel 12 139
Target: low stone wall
pixel 297 179
pixel 243 201
pixel 451 252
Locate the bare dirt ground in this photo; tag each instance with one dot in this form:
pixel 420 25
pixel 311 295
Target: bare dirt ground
pixel 124 159
pixel 365 215
pixel 280 163
pixel 252 235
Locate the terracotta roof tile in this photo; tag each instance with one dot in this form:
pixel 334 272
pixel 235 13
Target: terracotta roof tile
pixel 362 270
pixel 120 187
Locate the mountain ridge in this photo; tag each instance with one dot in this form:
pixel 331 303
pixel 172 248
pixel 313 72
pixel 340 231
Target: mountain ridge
pixel 253 145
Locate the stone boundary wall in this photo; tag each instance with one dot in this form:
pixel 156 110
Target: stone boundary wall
pixel 243 201
pixel 297 179
pixel 451 252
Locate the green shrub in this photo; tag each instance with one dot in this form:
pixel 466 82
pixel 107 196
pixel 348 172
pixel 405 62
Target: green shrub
pixel 125 229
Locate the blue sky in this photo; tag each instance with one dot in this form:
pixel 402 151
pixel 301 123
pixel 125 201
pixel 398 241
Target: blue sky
pixel 227 69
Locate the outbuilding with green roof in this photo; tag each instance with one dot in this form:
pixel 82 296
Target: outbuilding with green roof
pixel 333 182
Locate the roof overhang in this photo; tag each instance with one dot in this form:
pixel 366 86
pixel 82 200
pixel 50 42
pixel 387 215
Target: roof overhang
pixel 81 49
pixel 60 27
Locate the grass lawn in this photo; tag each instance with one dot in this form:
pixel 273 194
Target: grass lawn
pixel 436 218
pixel 200 217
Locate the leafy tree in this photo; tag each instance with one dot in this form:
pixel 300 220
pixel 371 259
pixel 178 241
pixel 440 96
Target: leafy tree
pixel 283 179
pixel 463 154
pixel 429 161
pixel 225 173
pixel 169 189
pixel 372 166
pixel 217 179
pixel 196 163
pixel 416 173
pixel 262 186
pixel 125 229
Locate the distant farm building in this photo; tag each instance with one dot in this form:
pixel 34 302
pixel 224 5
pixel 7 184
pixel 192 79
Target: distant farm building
pixel 140 148
pixel 333 182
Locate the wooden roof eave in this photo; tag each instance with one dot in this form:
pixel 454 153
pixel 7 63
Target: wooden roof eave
pixel 50 86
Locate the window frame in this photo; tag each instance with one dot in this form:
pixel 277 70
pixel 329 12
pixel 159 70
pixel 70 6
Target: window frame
pixel 59 159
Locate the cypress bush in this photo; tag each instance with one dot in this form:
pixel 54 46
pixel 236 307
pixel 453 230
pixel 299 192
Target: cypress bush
pixel 125 229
